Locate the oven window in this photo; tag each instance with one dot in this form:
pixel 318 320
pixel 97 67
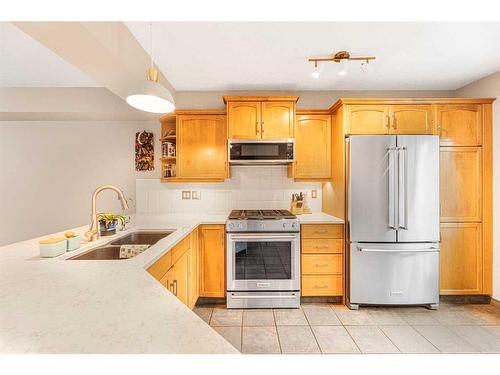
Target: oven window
pixel 263 261
pixel 266 149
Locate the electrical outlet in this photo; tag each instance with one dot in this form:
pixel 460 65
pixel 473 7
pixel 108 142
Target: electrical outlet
pixel 314 194
pixel 186 194
pixel 196 194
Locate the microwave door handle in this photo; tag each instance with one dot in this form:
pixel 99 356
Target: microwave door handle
pixel 402 189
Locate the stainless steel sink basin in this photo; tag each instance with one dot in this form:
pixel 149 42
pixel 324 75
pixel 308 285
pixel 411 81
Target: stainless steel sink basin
pixel 111 250
pixel 141 238
pixel 101 253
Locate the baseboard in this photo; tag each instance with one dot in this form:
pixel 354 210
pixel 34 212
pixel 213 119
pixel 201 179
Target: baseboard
pixel 321 299
pixel 495 302
pixel 466 299
pixel 210 301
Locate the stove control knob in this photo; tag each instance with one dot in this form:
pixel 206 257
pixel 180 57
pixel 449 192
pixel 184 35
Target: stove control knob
pixel 262 225
pixel 284 225
pixel 231 226
pixel 295 225
pixel 240 226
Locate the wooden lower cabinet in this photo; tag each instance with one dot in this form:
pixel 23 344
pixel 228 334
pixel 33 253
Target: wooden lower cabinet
pixel 194 268
pixel 180 276
pixel 322 285
pixel 461 259
pixel 322 260
pixel 212 261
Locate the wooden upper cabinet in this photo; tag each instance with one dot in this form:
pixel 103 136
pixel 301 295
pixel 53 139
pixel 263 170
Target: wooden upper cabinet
pixel 461 184
pixel 459 124
pixel 244 120
pixel 411 119
pixel 202 143
pixel 277 120
pixel 367 119
pixel 212 261
pixel 313 146
pixel 461 270
pixel 260 117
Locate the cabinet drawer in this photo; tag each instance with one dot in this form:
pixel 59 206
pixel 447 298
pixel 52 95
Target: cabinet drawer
pixel 325 285
pixel 322 231
pixel 180 249
pixel 321 264
pixel 322 245
pixel 161 266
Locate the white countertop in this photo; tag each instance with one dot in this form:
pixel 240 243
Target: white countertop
pixel 103 306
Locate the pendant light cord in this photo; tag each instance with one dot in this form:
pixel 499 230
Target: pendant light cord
pixel 151 42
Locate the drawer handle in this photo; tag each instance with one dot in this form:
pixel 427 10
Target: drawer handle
pixel 321 286
pixel 322 247
pixel 321 265
pixel 321 231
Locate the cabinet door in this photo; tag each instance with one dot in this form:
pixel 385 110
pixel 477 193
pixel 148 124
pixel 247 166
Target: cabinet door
pixel 278 120
pixel 461 258
pixel 459 124
pixel 202 143
pixel 367 119
pixel 460 184
pixel 194 286
pixel 313 146
pixel 411 119
pixel 180 276
pixel 244 120
pixel 212 282
pixel 168 279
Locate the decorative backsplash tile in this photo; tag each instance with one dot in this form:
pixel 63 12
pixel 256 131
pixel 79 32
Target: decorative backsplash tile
pixel 249 187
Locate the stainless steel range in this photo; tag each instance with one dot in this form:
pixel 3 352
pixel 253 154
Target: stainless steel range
pixel 263 259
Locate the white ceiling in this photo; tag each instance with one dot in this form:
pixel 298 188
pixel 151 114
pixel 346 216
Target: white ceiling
pixel 24 62
pixel 262 56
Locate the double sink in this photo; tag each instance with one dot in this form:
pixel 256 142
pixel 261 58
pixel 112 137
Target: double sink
pixel 111 251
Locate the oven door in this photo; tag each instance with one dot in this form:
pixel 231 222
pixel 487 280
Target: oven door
pixel 263 261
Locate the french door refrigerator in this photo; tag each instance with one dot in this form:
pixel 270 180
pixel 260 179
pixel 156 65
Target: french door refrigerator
pixel 393 220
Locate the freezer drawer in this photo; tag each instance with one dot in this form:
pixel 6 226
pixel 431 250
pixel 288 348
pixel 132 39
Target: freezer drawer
pixel 394 274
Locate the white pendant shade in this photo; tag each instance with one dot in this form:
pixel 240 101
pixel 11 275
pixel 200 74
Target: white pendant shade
pixel 151 97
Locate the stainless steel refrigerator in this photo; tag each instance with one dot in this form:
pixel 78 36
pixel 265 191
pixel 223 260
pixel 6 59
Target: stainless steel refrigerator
pixel 393 220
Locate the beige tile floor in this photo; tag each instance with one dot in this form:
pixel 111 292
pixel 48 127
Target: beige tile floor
pixel 328 328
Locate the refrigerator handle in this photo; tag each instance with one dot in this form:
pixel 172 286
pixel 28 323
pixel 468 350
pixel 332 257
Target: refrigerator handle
pixel 392 187
pixel 402 189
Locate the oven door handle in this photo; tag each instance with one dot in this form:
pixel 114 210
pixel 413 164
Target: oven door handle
pixel 266 236
pixel 260 296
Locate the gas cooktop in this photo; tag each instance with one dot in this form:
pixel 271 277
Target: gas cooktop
pixel 261 215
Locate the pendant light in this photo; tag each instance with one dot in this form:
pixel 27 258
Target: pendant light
pixel 150 95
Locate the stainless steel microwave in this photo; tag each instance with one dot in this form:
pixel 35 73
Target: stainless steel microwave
pixel 261 152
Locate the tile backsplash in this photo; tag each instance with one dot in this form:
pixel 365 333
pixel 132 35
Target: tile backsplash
pixel 249 187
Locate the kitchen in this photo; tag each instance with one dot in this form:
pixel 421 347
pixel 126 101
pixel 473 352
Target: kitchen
pixel 279 220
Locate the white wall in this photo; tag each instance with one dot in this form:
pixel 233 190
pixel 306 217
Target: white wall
pixel 490 87
pixel 48 171
pixel 249 187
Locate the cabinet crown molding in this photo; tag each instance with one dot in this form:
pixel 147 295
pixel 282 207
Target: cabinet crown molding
pixel 260 98
pixel 382 101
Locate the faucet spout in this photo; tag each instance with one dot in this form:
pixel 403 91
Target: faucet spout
pixel 93 232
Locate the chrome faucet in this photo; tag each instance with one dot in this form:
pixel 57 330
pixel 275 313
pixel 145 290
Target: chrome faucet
pixel 93 232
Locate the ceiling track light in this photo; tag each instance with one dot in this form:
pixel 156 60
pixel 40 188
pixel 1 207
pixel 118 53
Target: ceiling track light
pixel 150 95
pixel 342 58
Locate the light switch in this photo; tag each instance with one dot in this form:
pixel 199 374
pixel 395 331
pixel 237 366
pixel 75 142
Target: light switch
pixel 314 194
pixel 186 194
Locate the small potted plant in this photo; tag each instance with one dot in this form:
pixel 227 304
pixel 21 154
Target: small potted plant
pixel 108 223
